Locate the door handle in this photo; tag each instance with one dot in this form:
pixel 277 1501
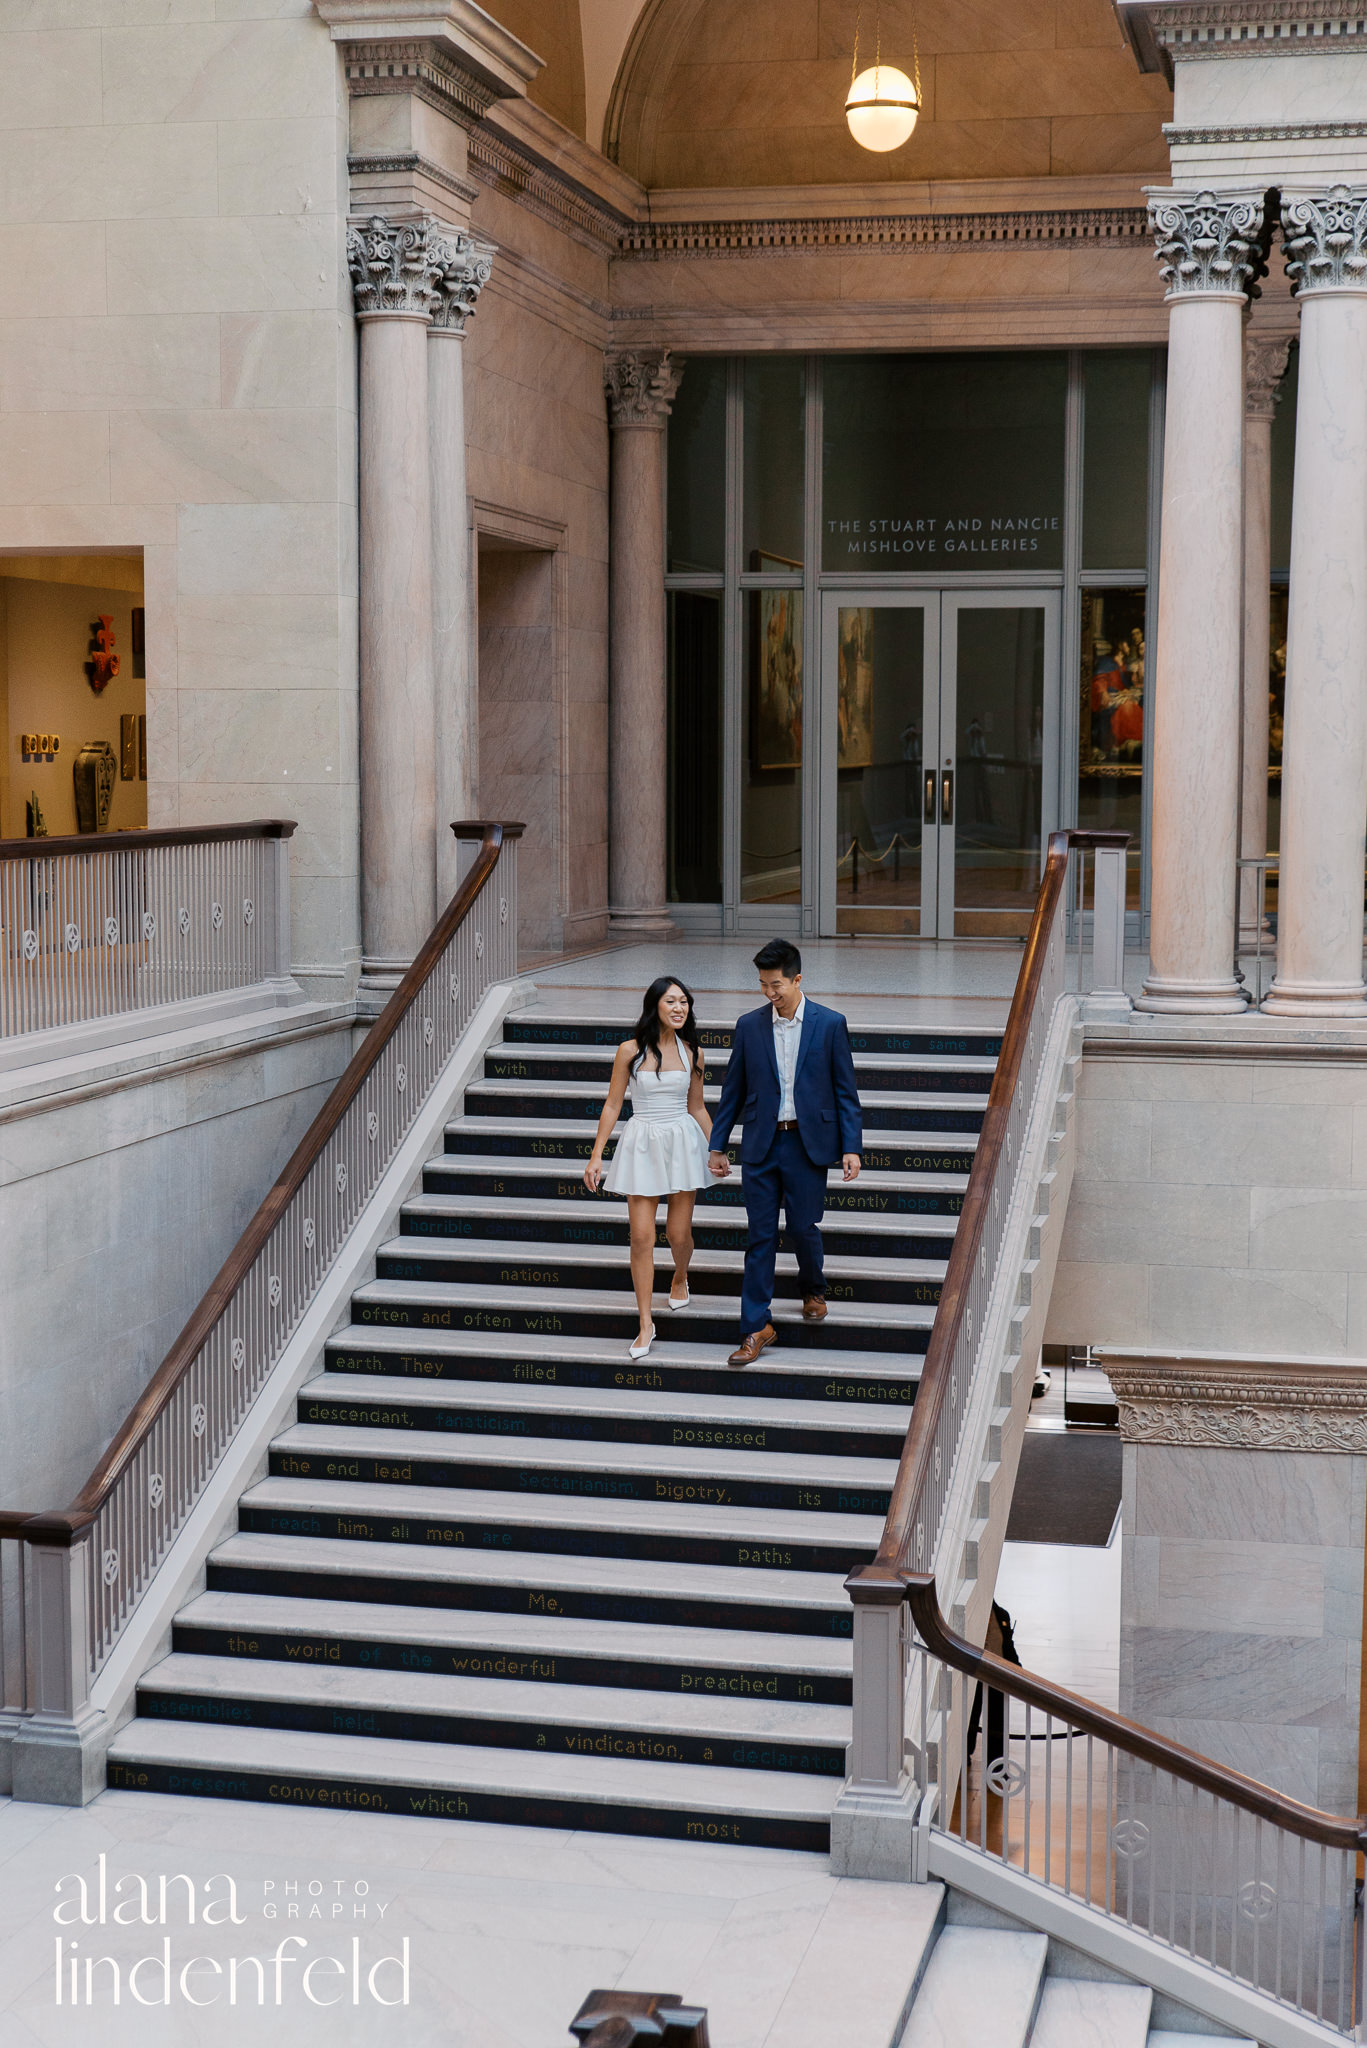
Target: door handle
pixel 947 797
pixel 929 805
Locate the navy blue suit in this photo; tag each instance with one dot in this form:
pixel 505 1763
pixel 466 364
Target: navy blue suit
pixel 787 1166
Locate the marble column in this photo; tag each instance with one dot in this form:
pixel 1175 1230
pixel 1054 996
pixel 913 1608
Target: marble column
pixel 1209 250
pixel 1324 743
pixel 464 274
pixel 1264 362
pixel 641 384
pixel 394 268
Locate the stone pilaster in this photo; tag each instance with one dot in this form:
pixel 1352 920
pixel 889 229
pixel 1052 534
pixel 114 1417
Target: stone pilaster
pixel 1210 251
pixel 1324 748
pixel 1264 362
pixel 640 385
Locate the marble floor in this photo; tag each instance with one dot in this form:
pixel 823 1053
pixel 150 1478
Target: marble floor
pixel 508 1930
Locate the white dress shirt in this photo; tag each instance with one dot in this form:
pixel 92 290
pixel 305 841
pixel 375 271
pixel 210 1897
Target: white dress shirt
pixel 787 1038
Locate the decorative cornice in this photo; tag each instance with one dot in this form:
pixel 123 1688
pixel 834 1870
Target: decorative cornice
pixel 1267 131
pixel 1324 239
pixel 409 163
pixel 464 267
pixel 1215 1405
pixel 453 47
pixel 416 270
pixel 1250 28
pixel 640 384
pixel 1264 365
pixel 423 69
pixel 655 239
pixel 1208 242
pixel 505 167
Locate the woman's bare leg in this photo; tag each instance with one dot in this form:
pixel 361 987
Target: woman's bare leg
pixel 679 1231
pixel 641 1213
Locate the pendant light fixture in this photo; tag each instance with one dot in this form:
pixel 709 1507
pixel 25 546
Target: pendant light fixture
pixel 883 102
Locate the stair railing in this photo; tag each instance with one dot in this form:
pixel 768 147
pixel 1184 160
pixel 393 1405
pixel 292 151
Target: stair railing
pixel 1222 1870
pixel 90 1564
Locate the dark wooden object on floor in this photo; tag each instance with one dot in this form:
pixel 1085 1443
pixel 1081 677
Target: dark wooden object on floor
pixel 619 2019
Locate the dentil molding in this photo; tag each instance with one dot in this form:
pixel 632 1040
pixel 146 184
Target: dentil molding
pixel 1208 241
pixel 640 384
pixel 1162 32
pixel 1235 1406
pixel 416 270
pixel 1324 239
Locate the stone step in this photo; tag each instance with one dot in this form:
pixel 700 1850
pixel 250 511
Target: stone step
pixel 1163 2037
pixel 493 1262
pixel 525 1219
pixel 830 1374
pixel 891 1195
pixel 882 1110
pixel 303 1629
pixel 890 1072
pixel 489 1713
pixel 705 1478
pixel 981 1985
pixel 922 1148
pixel 535 1027
pixel 1076 2013
pixel 621 1415
pixel 367 1773
pixel 439 1518
pixel 582 1588
pixel 537 1311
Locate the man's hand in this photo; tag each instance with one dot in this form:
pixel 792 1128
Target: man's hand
pixel 851 1164
pixel 718 1164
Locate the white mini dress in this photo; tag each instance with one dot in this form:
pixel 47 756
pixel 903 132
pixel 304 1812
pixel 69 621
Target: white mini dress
pixel 661 1151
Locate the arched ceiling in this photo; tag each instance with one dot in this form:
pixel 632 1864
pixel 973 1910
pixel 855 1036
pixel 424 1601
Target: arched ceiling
pixel 751 92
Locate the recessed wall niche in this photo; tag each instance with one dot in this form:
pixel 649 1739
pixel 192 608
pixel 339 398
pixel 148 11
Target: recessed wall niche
pixel 51 609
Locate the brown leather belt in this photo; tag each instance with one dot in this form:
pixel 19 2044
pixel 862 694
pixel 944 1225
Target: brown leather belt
pixel 791 1125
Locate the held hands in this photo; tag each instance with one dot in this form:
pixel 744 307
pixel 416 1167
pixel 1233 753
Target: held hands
pixel 718 1164
pixel 850 1165
pixel 593 1175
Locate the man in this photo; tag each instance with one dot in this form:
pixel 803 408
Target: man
pixel 790 1081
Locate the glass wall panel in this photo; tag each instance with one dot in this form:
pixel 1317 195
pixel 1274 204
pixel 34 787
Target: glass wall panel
pixel 695 746
pixel 771 750
pixel 1110 775
pixel 944 462
pixel 1115 461
pixel 1283 463
pixel 880 745
pixel 696 514
pixel 999 758
pixel 775 440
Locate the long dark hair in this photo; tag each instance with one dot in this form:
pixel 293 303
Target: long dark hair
pixel 647 1030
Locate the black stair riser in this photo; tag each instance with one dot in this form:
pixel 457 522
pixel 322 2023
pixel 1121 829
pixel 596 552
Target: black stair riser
pixel 358 1795
pixel 527 1186
pixel 885 1156
pixel 703 1490
pixel 453 1533
pixel 489 1099
pixel 696 1681
pixel 763 1381
pixel 843 1239
pixel 905 1044
pixel 471 1270
pixel 367 1411
pixel 596 1071
pixel 620 1326
pixel 476 1732
pixel 477 1596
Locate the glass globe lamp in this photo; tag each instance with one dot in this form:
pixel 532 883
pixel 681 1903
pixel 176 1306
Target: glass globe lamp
pixel 882 108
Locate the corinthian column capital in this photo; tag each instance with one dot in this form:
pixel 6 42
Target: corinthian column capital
pixel 464 264
pixel 396 268
pixel 1208 243
pixel 641 383
pixel 1324 237
pixel 1264 364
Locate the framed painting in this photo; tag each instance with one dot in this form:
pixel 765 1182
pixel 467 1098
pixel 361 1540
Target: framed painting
pixel 776 666
pixel 854 708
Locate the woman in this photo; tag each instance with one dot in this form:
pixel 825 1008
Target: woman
pixel 663 1150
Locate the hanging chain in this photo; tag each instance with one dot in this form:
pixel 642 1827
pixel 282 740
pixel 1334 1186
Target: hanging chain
pixel 858 18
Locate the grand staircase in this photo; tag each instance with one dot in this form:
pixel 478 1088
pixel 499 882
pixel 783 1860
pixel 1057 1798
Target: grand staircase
pixel 499 1571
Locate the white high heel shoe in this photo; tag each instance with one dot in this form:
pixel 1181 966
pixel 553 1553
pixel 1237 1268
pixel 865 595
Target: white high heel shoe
pixel 686 1298
pixel 640 1350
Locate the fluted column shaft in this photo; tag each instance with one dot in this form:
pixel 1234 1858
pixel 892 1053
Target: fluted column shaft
pixel 1324 744
pixel 455 675
pixel 1264 362
pixel 640 385
pixel 1208 247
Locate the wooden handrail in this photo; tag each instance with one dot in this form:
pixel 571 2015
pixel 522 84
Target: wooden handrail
pixel 1327 1830
pixel 126 842
pixel 65 1526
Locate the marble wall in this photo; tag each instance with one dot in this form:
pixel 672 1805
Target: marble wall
pixel 1220 1202
pixel 176 376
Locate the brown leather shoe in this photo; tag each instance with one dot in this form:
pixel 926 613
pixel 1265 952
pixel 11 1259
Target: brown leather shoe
pixel 751 1346
pixel 813 1308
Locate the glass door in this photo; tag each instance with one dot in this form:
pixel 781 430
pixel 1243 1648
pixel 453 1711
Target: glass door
pixel 940 714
